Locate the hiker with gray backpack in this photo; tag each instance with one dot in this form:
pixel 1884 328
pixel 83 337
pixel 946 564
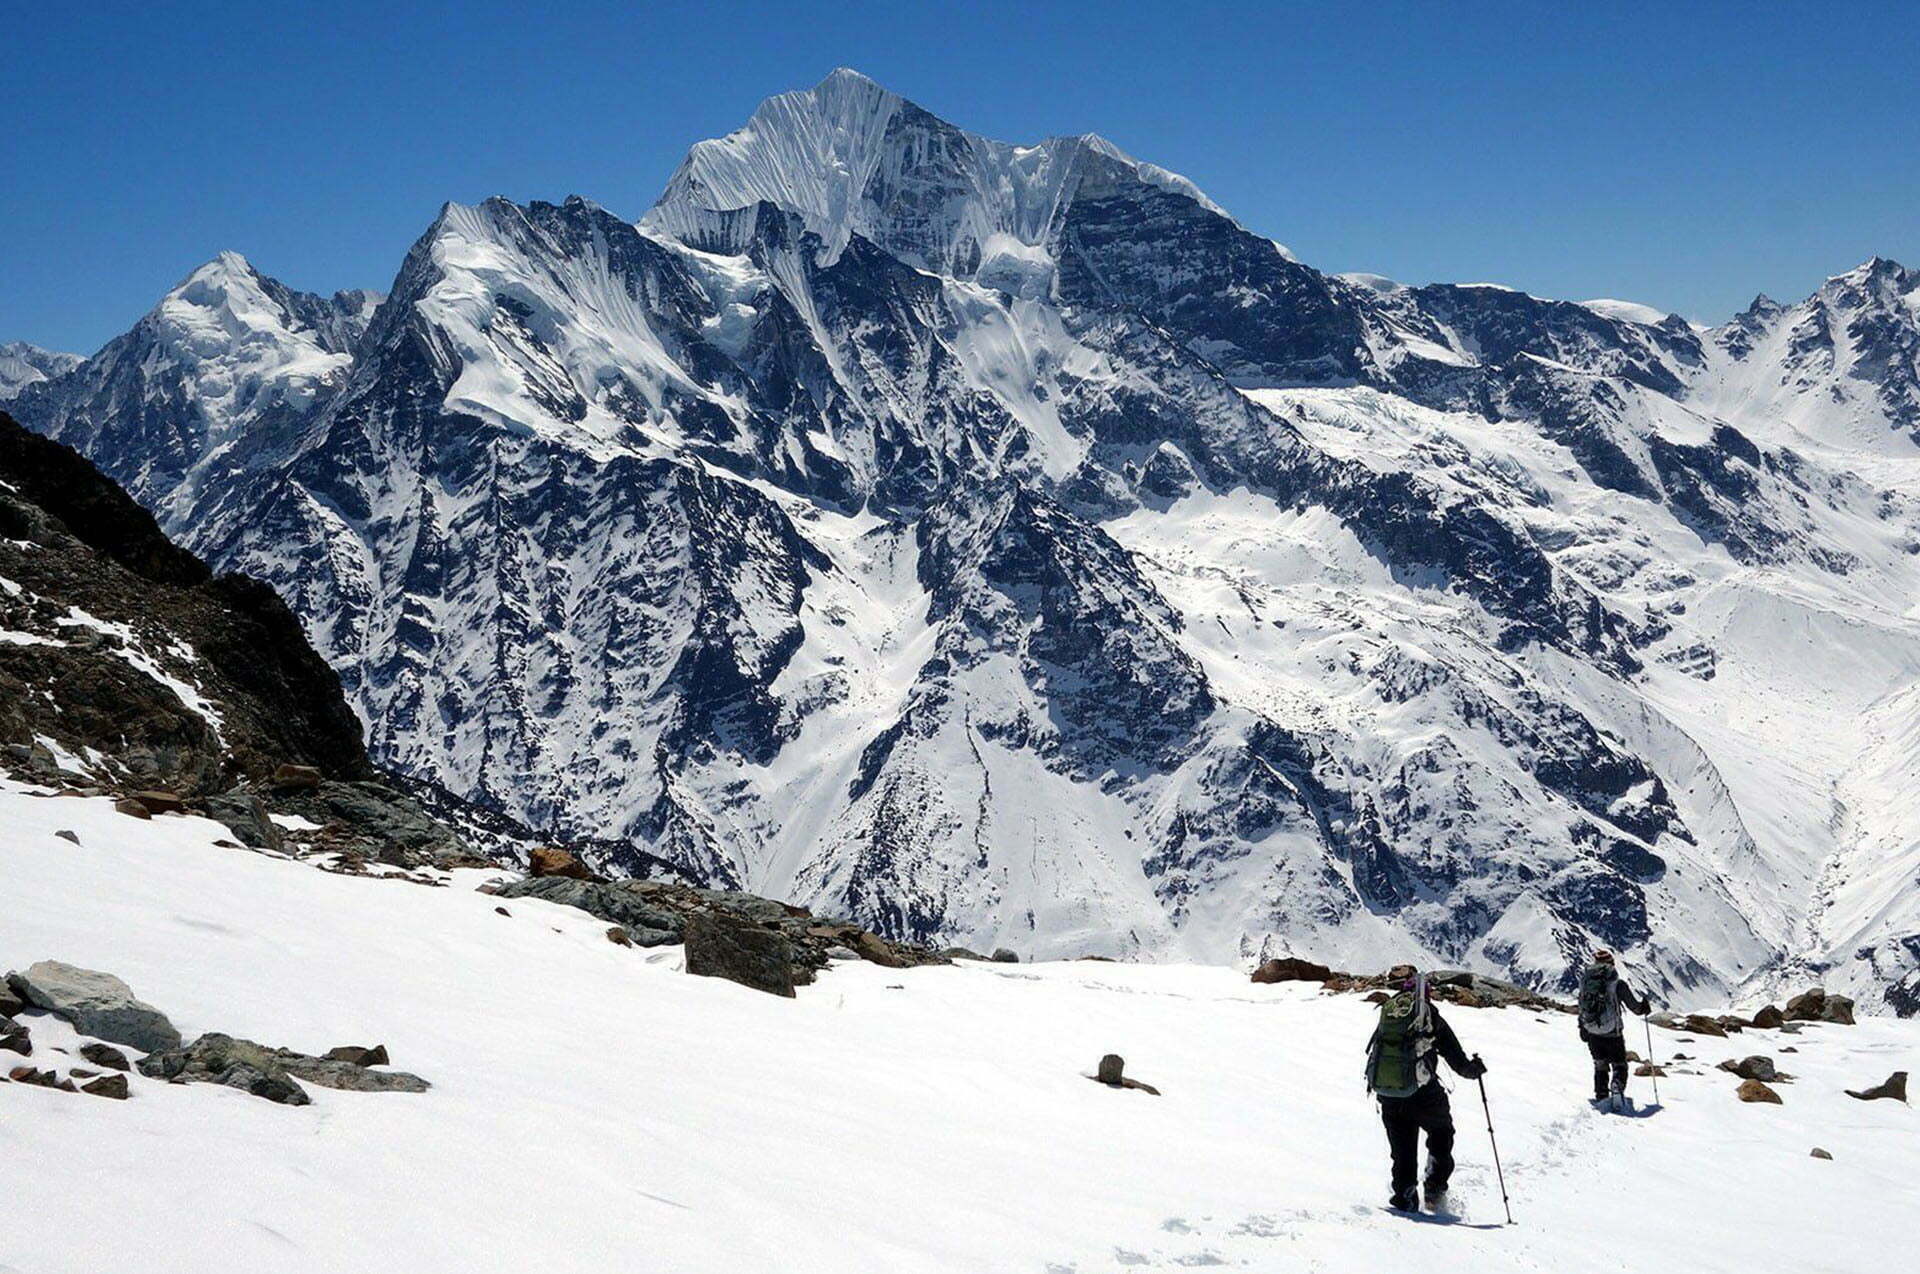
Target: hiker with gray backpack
pixel 1403 1073
pixel 1603 1027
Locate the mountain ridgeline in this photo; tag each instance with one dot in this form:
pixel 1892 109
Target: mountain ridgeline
pixel 1003 546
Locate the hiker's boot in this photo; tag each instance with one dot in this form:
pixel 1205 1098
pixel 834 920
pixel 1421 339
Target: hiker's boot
pixel 1404 1201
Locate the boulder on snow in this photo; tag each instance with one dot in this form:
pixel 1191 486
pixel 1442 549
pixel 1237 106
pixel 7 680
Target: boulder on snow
pixel 114 1086
pixel 41 1079
pixel 1001 955
pixel 1112 1072
pixel 1893 1087
pixel 158 802
pixel 1650 1070
pixel 1768 1018
pixel 1818 1153
pixel 220 1059
pixel 104 1055
pixel 357 1055
pixel 1701 1024
pixel 1756 1067
pixel 721 947
pixel 11 1001
pixel 616 903
pixel 1291 969
pixel 14 1038
pixel 551 860
pixel 98 1004
pixel 69 835
pixel 132 808
pixel 1731 1023
pixel 618 937
pixel 1752 1090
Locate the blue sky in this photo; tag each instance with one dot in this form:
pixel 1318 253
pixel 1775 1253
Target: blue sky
pixel 1686 155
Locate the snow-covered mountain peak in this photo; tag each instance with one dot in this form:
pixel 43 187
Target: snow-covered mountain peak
pixel 23 364
pixel 851 157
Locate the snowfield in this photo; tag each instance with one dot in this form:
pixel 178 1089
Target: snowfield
pixel 595 1107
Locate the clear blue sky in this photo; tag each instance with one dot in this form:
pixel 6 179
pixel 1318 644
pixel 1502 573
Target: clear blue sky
pixel 1685 155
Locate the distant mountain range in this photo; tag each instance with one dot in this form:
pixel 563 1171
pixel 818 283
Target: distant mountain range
pixel 1002 545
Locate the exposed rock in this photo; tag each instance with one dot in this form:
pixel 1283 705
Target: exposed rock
pixel 221 1059
pixel 352 1076
pixel 618 937
pixel 1893 1087
pixel 98 1004
pixel 1768 1018
pixel 158 802
pixel 15 1039
pixel 502 911
pixel 1752 1090
pixel 104 1055
pixel 1002 955
pixel 114 1086
pixel 872 947
pixel 1838 1009
pixel 43 1079
pixel 1701 1024
pixel 296 777
pixel 1667 1020
pixel 616 902
pixel 1732 1023
pixel 11 1001
pixel 753 957
pixel 1818 1153
pixel 958 953
pixel 553 861
pixel 1378 997
pixel 848 953
pixel 68 835
pixel 1756 1067
pixel 375 1056
pixel 1291 969
pixel 1112 1073
pixel 1808 1006
pixel 1649 1069
pixel 132 808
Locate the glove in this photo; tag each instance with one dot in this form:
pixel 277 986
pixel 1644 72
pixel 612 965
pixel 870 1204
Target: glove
pixel 1475 1068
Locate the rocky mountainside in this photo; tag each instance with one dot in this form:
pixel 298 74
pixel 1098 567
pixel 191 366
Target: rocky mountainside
pixel 22 364
pixel 1001 545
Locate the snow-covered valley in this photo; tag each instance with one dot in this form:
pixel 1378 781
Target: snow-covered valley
pixel 592 1102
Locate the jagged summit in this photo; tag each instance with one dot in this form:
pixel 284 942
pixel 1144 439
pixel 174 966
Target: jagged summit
pixel 23 364
pixel 851 157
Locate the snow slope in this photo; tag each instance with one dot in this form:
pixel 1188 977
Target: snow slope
pixel 593 1105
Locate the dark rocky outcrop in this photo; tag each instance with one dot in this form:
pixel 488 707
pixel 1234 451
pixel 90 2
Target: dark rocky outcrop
pixel 1758 1067
pixel 104 1055
pixel 1894 1088
pixel 113 1086
pixel 270 1072
pixel 1291 969
pixel 724 947
pixel 1815 1005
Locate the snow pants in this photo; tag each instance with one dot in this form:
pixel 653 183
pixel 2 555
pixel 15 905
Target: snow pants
pixel 1406 1118
pixel 1609 1056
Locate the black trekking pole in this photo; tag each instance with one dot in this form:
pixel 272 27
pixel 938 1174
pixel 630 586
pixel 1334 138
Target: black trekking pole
pixel 1494 1142
pixel 1653 1070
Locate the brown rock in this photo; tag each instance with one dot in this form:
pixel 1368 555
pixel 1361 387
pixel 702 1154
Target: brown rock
pixel 17 1041
pixel 1769 1018
pixel 1756 1067
pixel 132 808
pixel 618 937
pixel 551 860
pixel 502 911
pixel 871 946
pixel 289 777
pixel 1701 1024
pixel 1752 1090
pixel 11 1001
pixel 1807 1006
pixel 375 1056
pixel 1894 1088
pixel 105 1055
pixel 114 1086
pixel 1291 969
pixel 1648 1069
pixel 158 802
pixel 1112 1073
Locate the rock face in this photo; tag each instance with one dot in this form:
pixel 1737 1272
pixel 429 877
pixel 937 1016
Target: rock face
pixel 719 947
pixel 98 1004
pixel 771 538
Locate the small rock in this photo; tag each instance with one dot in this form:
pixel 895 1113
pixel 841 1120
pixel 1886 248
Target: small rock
pixel 1647 1069
pixel 157 802
pixel 105 1055
pixel 1893 1087
pixel 98 1004
pixel 1701 1024
pixel 502 911
pixel 33 1075
pixel 1731 1023
pixel 1818 1153
pixel 1112 1073
pixel 1002 955
pixel 11 1001
pixel 1769 1018
pixel 290 777
pixel 132 808
pixel 114 1086
pixel 375 1056
pixel 1752 1090
pixel 618 937
pixel 69 835
pixel 81 1072
pixel 1756 1067
pixel 551 860
pixel 16 1040
pixel 848 953
pixel 1291 969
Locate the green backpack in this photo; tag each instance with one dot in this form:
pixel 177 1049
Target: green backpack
pixel 1400 1056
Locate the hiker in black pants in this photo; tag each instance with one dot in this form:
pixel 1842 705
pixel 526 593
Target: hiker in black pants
pixel 1604 1027
pixel 1402 1073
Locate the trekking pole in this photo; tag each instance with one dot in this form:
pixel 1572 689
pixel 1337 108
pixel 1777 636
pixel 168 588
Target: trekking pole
pixel 1653 1071
pixel 1495 1143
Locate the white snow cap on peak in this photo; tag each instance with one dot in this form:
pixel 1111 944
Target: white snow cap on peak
pixel 851 157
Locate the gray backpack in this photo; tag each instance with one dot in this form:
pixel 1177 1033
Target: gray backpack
pixel 1600 1000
